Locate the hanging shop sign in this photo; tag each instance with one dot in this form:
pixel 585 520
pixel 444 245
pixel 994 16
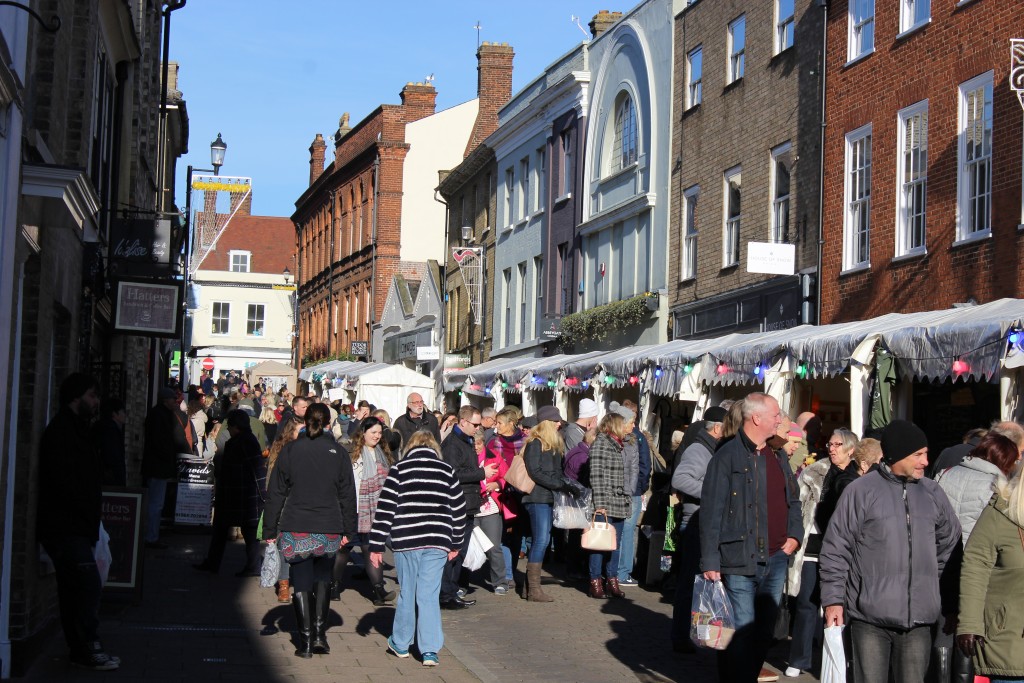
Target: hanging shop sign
pixel 147 308
pixel 551 328
pixel 140 246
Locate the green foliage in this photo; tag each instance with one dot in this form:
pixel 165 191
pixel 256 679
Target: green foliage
pixel 596 323
pixel 319 355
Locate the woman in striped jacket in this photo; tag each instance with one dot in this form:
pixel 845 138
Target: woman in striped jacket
pixel 422 509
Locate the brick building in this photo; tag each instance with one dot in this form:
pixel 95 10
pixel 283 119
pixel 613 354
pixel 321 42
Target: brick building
pixel 747 152
pixel 369 210
pixel 922 201
pixel 83 120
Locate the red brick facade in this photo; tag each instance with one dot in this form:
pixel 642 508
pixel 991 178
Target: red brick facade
pixel 961 42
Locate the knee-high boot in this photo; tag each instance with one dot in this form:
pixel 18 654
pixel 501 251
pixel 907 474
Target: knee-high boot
pixel 304 617
pixel 536 593
pixel 321 611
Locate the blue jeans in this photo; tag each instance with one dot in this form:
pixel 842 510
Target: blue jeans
pixel 607 563
pixel 156 493
pixel 755 607
pixel 540 527
pixel 419 575
pixel 627 552
pixel 807 628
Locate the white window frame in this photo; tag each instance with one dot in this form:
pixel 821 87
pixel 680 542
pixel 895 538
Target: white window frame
pixel 540 157
pixel 521 328
pixel 225 316
pixel 785 27
pixel 249 319
pixel 241 255
pixel 695 77
pixel 625 142
pixel 966 229
pixel 909 8
pixel 688 236
pixel 857 204
pixel 509 324
pixel 907 193
pixel 510 201
pixel 538 294
pixel 523 205
pixel 735 67
pixel 859 25
pixel 732 222
pixel 567 165
pixel 781 205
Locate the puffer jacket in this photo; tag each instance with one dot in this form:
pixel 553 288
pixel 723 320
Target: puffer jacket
pixel 885 548
pixel 606 478
pixel 811 483
pixel 991 584
pixel 734 509
pixel 969 487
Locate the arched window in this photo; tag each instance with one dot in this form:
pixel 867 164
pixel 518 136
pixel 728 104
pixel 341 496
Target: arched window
pixel 624 145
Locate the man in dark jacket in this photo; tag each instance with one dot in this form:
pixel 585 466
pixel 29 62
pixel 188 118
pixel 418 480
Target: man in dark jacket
pixel 750 523
pixel 68 518
pixel 168 433
pixel 459 451
pixel 108 434
pixel 886 545
pixel 416 418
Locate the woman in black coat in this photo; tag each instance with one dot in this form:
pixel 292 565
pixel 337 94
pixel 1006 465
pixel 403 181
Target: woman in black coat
pixel 240 475
pixel 311 512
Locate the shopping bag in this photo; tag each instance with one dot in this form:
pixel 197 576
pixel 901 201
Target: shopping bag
pixel 518 477
pixel 102 554
pixel 711 623
pixel 599 536
pixel 833 658
pixel 476 554
pixel 271 566
pixel 573 513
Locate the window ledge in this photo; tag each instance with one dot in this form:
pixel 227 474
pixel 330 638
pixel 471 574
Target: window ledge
pixel 536 214
pixel 859 58
pixel 688 280
pixel 853 270
pixel 1020 228
pixel 622 171
pixel 564 198
pixel 910 255
pixel 783 51
pixel 980 236
pixel 732 85
pixel 913 29
pixel 509 227
pixel 730 266
pixel 521 222
pixel 963 3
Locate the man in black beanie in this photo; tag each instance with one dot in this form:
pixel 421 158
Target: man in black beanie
pixel 881 558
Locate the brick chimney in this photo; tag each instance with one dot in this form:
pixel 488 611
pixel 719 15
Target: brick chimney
pixel 493 88
pixel 246 207
pixel 603 21
pixel 418 101
pixel 317 154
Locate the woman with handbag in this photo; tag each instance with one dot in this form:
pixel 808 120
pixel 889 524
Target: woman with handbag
pixel 287 432
pixel 543 460
pixel 310 513
pixel 507 442
pixel 611 498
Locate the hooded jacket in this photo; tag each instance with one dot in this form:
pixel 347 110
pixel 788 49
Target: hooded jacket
pixel 885 547
pixel 688 477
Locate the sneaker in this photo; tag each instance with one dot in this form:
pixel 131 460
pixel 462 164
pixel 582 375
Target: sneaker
pixel 96 661
pixel 792 672
pixel 395 650
pixel 500 590
pixel 430 659
pixel 628 581
pixel 461 592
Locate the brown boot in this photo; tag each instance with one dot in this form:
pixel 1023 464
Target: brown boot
pixel 282 591
pixel 596 589
pixel 612 588
pixel 536 594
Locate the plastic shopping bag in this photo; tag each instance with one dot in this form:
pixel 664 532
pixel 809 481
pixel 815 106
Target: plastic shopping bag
pixel 102 554
pixel 833 659
pixel 711 623
pixel 573 513
pixel 271 566
pixel 476 554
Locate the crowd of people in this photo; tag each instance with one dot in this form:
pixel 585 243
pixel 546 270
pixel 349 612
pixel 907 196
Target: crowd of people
pixel 921 565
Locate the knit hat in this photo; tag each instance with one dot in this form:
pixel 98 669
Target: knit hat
pixel 587 408
pixel 549 413
pixel 901 438
pixel 714 414
pixel 529 422
pixel 625 412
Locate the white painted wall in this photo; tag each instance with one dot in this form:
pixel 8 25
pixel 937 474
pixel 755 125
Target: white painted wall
pixel 436 143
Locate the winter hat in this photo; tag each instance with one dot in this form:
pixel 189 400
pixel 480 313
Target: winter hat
pixel 626 413
pixel 587 408
pixel 549 413
pixel 529 422
pixel 901 438
pixel 714 414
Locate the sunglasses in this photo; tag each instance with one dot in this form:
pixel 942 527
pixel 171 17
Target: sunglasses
pixel 475 424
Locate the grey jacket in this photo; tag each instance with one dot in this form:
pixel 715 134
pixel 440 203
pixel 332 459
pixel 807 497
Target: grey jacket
pixel 885 547
pixel 969 487
pixel 688 477
pixel 734 508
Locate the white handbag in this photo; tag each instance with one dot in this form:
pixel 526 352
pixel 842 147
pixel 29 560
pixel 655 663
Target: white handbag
pixel 601 535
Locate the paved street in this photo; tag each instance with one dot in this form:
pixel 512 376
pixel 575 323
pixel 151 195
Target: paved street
pixel 197 627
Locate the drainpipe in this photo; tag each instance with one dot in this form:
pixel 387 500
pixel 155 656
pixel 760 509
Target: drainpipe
pixel 373 255
pixel 821 165
pixel 443 336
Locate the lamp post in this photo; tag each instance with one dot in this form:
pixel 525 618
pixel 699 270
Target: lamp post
pixel 294 310
pixel 218 148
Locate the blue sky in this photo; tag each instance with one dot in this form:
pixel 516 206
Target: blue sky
pixel 281 72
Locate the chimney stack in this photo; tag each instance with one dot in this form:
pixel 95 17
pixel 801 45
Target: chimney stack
pixel 317 154
pixel 493 88
pixel 246 207
pixel 418 101
pixel 603 21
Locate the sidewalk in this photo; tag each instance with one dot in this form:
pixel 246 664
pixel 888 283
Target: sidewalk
pixel 194 627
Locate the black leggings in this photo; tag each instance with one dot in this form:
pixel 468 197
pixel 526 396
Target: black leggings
pixel 309 571
pixel 376 574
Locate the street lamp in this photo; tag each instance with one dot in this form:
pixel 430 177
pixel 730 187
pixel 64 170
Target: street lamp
pixel 218 148
pixel 295 304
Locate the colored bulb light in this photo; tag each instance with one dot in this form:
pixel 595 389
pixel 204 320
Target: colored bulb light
pixel 1015 337
pixel 609 379
pixel 657 372
pixel 960 367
